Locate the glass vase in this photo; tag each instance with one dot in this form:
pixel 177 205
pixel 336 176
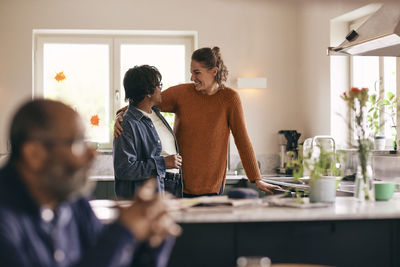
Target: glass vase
pixel 364 182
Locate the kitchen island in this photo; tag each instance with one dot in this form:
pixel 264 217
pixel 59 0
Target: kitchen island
pixel 348 233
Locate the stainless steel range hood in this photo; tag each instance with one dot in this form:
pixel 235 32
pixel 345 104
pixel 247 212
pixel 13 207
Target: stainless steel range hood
pixel 378 36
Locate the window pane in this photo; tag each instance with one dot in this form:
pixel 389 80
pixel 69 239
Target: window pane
pixel 389 85
pixel 78 75
pixel 168 59
pixel 366 73
pixel 390 74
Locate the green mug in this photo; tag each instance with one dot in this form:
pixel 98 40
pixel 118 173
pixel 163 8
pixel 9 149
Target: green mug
pixel 384 190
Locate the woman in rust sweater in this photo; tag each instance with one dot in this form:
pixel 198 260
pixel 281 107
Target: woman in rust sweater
pixel 205 112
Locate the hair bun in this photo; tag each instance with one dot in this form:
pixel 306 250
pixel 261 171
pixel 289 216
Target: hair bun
pixel 216 51
pixel 210 58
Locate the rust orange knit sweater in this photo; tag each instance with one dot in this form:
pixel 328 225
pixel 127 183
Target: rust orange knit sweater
pixel 202 125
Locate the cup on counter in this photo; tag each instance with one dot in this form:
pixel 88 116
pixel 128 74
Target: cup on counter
pixel 384 190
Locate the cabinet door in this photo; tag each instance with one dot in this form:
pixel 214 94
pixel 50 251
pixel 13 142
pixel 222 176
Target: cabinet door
pixel 204 245
pixel 345 243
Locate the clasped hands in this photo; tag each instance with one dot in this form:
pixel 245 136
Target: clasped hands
pixel 147 217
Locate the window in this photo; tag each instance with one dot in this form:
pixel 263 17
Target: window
pixel 85 70
pixel 350 71
pixel 378 74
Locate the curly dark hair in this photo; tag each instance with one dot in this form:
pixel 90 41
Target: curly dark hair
pixel 210 58
pixel 140 81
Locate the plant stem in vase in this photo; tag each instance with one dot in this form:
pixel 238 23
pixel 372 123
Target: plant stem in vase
pixel 364 186
pixel 394 134
pixel 357 103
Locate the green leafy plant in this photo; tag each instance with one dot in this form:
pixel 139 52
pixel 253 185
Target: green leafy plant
pixel 295 162
pixel 386 105
pixel 357 100
pixel 325 164
pixel 373 114
pixel 320 163
pixel 391 103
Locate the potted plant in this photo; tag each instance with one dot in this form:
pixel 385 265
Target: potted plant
pixel 324 173
pixel 391 103
pixel 374 124
pixel 379 106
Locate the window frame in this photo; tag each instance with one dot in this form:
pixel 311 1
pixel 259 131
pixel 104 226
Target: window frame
pixel 389 139
pixel 114 39
pixel 145 39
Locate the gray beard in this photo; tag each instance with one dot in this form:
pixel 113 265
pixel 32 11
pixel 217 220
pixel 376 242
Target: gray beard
pixel 64 183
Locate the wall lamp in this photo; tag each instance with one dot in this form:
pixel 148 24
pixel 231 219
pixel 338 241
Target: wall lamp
pixel 257 83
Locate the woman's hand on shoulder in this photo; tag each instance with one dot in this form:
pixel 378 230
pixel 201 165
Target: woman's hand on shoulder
pixel 266 187
pixel 117 125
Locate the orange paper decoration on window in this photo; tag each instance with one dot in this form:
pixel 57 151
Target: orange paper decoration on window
pixel 95 120
pixel 60 76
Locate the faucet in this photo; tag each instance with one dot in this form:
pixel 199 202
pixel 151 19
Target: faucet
pixel 315 138
pixel 309 145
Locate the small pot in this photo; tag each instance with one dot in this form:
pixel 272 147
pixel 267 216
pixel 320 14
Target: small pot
pixel 323 189
pixel 379 142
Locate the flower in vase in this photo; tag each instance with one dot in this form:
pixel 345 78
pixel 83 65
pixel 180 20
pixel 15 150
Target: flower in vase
pixel 357 102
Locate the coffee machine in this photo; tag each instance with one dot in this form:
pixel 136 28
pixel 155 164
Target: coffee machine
pixel 288 143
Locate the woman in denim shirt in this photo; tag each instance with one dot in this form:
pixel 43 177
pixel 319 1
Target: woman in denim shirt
pixel 147 148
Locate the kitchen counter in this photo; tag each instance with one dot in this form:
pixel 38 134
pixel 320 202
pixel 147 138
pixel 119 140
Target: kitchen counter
pixel 345 208
pixel 346 234
pixel 363 234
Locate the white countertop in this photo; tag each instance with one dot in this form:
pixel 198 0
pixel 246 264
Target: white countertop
pixel 345 208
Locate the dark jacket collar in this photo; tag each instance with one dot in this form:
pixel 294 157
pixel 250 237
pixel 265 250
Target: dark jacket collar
pixel 13 191
pixel 137 114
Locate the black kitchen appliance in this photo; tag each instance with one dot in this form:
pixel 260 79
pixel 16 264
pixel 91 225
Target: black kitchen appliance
pixel 289 143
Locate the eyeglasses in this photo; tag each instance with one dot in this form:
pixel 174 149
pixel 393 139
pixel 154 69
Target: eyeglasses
pixel 78 146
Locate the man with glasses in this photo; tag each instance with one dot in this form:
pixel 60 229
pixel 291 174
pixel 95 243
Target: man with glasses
pixel 148 147
pixel 45 220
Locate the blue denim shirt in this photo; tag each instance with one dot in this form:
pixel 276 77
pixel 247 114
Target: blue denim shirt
pixel 137 153
pixel 75 233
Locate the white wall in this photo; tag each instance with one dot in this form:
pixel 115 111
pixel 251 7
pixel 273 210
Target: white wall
pixel 257 38
pixel 284 41
pixel 315 76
